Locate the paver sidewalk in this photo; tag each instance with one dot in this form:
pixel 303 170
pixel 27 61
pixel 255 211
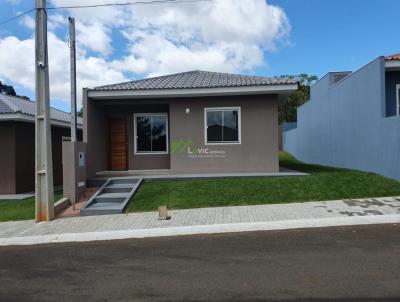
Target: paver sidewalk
pixel 204 220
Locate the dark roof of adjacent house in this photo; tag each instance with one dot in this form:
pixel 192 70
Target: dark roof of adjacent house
pixel 394 57
pixel 196 79
pixel 17 105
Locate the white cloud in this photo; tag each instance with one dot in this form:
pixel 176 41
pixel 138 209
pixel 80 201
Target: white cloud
pixel 94 36
pixel 28 21
pixel 56 21
pixel 220 35
pixel 18 67
pixel 15 64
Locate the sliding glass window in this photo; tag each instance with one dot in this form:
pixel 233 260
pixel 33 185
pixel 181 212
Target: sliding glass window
pixel 151 132
pixel 222 125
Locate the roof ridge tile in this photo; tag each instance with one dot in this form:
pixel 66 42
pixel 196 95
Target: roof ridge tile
pixel 196 79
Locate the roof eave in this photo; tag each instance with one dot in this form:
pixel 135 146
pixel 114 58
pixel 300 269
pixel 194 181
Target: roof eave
pixel 393 64
pixel 193 92
pixel 20 117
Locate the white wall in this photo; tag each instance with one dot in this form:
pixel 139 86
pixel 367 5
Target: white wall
pixel 343 125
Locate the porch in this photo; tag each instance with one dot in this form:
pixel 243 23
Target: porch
pixel 127 135
pixel 171 137
pixel 168 174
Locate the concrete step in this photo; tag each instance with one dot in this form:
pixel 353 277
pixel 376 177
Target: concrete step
pixel 117 190
pixel 105 205
pixel 112 197
pixel 108 200
pixel 120 186
pixel 130 181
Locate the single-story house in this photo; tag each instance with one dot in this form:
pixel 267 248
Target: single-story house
pixel 17 140
pixel 352 120
pixel 190 122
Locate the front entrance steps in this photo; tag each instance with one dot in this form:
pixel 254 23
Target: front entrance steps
pixel 112 197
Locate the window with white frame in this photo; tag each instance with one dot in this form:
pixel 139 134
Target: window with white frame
pixel 222 125
pixel 398 99
pixel 151 132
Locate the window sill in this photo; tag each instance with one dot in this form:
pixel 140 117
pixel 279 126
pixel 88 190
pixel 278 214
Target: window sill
pixel 392 117
pixel 151 153
pixel 222 143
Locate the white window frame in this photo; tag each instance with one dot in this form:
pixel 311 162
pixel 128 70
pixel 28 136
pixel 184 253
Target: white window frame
pixel 398 99
pixel 207 109
pixel 135 116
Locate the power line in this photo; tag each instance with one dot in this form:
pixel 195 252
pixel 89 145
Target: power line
pixel 16 17
pixel 105 5
pixel 128 3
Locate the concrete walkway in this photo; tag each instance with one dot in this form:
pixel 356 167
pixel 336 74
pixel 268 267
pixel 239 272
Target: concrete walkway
pixel 167 175
pixel 204 220
pixel 16 197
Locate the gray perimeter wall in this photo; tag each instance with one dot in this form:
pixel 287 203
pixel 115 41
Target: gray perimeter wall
pixel 73 173
pixel 345 125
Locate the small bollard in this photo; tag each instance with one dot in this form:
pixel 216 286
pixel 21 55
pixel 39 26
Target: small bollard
pixel 163 213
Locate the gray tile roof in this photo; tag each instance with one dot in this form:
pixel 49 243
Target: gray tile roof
pixel 11 104
pixel 196 79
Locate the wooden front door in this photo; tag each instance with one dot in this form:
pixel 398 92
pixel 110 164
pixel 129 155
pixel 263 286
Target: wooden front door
pixel 118 145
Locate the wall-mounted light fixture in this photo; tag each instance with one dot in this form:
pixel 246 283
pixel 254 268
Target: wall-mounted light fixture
pixel 187 110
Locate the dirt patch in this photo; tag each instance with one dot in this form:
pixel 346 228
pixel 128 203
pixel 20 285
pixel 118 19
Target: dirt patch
pixel 70 212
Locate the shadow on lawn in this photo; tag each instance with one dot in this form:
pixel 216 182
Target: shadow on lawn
pixel 288 161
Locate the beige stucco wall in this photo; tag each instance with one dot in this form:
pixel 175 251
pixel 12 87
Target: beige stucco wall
pixel 94 134
pixel 17 156
pixel 7 158
pixel 258 151
pixel 96 129
pixel 144 161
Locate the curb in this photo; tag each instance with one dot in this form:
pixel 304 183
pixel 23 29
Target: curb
pixel 201 229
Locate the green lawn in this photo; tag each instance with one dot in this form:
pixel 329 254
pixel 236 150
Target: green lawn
pixel 21 210
pixel 323 183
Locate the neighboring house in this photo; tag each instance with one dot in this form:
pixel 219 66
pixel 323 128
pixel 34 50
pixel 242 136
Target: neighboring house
pixel 191 122
pixel 17 139
pixel 352 120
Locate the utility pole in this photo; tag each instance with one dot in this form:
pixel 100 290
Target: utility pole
pixel 44 190
pixel 73 76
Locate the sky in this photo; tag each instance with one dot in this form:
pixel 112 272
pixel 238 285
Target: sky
pixel 255 37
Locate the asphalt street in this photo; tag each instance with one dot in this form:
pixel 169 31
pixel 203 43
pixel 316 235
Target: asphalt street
pixel 328 264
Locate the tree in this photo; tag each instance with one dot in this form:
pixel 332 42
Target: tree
pixel 288 109
pixel 9 90
pixel 5 89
